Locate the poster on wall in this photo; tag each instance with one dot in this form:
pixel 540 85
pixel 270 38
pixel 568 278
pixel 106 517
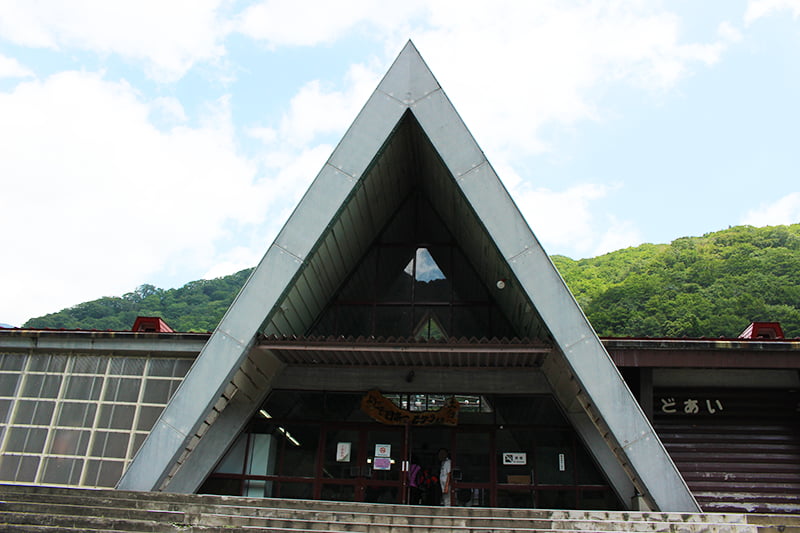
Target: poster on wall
pixel 343 452
pixel 382 463
pixel 383 450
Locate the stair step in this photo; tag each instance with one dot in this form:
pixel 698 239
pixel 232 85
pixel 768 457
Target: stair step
pixel 29 509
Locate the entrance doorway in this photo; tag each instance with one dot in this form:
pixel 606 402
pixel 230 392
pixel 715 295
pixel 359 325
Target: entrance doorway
pixel 518 451
pixel 362 464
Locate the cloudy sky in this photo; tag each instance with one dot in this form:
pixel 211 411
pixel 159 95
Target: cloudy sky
pixel 162 141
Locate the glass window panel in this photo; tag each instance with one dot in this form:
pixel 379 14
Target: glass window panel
pixel 28 467
pixel 361 286
pixel 147 417
pixel 555 463
pixel 299 443
pixel 74 414
pixel 48 363
pixel 62 470
pixel 432 322
pixel 586 469
pixel 110 444
pixel 341 469
pixel 520 499
pixel 429 222
pixel 157 391
pixel 233 462
pixel 326 325
pixel 20 468
pixel 182 367
pixel 5 409
pixel 122 390
pixel 110 473
pixel 339 493
pixel 115 365
pixel 598 499
pixel 128 366
pixel 161 367
pixel 36 412
pixel 30 440
pixel 90 364
pixel 138 439
pixel 83 387
pixel 500 326
pixel 354 320
pixel 69 442
pixel 556 499
pixel 379 494
pixel 516 440
pixel 395 440
pixel 8 384
pixel 41 386
pixel 395 275
pixel 432 284
pixel 393 321
pixel 116 416
pixel 12 361
pixel 538 410
pixel 466 284
pixel 342 406
pixel 471 321
pixel 473 461
pixel 92 470
pixel 221 487
pixel 294 491
pixel 8 467
pixel 134 366
pixel 401 227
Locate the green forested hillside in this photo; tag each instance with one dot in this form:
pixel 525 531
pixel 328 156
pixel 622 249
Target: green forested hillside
pixel 708 286
pixel 197 306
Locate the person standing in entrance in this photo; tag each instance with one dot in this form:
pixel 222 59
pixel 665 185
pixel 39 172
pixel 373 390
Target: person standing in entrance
pixel 445 475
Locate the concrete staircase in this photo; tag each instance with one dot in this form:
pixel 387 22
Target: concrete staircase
pixel 27 509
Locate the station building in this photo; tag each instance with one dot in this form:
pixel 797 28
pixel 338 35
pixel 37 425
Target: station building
pixel 405 307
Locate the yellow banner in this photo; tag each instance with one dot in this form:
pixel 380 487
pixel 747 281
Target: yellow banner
pixel 385 411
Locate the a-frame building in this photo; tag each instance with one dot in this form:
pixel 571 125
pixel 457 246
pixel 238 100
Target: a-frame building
pixel 405 249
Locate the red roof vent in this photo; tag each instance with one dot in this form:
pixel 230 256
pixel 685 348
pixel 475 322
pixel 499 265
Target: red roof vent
pixel 152 324
pixel 762 330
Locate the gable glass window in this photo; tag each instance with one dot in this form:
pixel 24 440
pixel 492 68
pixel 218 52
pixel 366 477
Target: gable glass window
pixel 414 281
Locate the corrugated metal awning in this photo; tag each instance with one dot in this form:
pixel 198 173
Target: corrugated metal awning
pixel 363 351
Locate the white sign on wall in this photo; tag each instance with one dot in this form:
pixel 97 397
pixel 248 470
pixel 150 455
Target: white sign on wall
pixel 343 452
pixel 515 458
pixel 383 450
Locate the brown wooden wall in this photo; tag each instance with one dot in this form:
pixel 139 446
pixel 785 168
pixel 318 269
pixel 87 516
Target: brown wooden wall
pixel 738 449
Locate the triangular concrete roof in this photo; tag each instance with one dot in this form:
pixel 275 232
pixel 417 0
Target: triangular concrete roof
pixel 356 191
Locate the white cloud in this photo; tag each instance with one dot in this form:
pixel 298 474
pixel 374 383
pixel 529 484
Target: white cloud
pixel 315 110
pixel 785 210
pixel 239 258
pixel 94 195
pixel 513 67
pixel 566 220
pixel 309 23
pixel 757 9
pixel 168 36
pixel 11 68
pixel 617 235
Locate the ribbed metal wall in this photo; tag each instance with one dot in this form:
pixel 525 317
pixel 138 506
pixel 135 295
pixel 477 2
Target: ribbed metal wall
pixel 738 449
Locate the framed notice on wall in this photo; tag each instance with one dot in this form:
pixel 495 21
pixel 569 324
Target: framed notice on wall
pixel 343 452
pixel 515 458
